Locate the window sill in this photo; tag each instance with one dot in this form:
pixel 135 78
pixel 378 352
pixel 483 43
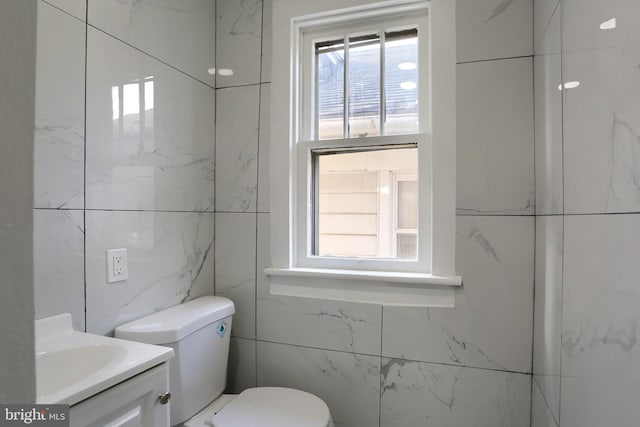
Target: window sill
pixel 373 287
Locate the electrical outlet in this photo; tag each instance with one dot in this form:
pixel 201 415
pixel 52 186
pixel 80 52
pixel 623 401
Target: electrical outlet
pixel 117 266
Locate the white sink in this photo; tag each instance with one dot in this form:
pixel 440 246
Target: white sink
pixel 72 366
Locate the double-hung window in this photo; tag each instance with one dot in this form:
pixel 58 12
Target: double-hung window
pixel 362 213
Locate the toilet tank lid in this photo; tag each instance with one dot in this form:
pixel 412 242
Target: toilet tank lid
pixel 173 324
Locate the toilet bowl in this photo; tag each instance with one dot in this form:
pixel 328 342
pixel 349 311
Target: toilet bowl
pixel 199 333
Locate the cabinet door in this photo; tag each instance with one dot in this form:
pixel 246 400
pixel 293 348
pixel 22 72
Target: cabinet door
pixel 133 403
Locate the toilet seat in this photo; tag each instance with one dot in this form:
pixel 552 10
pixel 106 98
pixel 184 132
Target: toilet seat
pixel 273 407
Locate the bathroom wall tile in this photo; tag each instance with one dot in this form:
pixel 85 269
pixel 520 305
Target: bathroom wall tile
pixel 310 322
pixel 494 255
pixel 77 8
pixel 602 128
pixel 170 261
pixel 543 10
pixel 596 401
pixel 348 383
pixel 495 148
pixel 541 415
pixel 242 365
pixel 548 122
pixel 601 298
pixel 490 29
pixel 236 268
pixel 264 163
pixel 237 148
pixel 59 134
pixel 267 16
pixel 420 394
pixel 238 41
pixel 548 309
pixel 154 156
pixel 58 263
pixel 143 24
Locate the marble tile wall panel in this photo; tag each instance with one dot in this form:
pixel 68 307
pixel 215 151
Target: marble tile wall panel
pixel 77 8
pixel 267 7
pixel 313 323
pixel 491 29
pixel 548 309
pixel 494 255
pixel 600 352
pixel 170 258
pixel 150 133
pixel 238 41
pixel 424 394
pixel 188 46
pixel 348 383
pixel 548 122
pixel 541 415
pixel 495 143
pixel 58 260
pixel 264 161
pixel 242 365
pixel 237 148
pixel 236 268
pixel 59 134
pixel 543 10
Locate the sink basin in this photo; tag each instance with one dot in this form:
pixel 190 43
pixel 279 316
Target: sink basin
pixel 72 366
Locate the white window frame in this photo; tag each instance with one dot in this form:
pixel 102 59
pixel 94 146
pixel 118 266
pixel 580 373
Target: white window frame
pixel 429 281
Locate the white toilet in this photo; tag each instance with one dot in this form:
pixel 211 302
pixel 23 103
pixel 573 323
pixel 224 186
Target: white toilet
pixel 199 333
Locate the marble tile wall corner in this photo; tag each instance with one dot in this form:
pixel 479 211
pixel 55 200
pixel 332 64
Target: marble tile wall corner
pixel 494 255
pixel 332 325
pixel 59 123
pixel 267 16
pixel 170 261
pixel 58 260
pixel 541 415
pixel 77 8
pixel 237 133
pixel 242 365
pixel 492 29
pixel 264 158
pixel 495 138
pixel 548 309
pixel 543 10
pixel 151 155
pixel 349 383
pixel 235 273
pixel 143 24
pixel 417 394
pixel 238 41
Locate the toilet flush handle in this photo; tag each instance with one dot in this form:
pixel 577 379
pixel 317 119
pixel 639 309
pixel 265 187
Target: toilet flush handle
pixel 164 398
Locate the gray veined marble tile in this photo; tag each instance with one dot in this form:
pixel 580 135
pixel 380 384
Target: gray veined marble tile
pixel 331 325
pixel 235 268
pixel 242 365
pixel 494 256
pixel 77 8
pixel 59 126
pixel 238 41
pixel 237 149
pixel 267 18
pixel 170 258
pixel 150 132
pixel 58 260
pixel 264 159
pixel 189 46
pixel 543 10
pixel 491 29
pixel 348 383
pixel 424 394
pixel 495 145
pixel 541 415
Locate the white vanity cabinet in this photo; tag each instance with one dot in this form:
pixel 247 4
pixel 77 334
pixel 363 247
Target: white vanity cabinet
pixel 135 402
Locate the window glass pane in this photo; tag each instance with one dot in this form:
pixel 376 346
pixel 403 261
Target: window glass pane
pixel 355 201
pixel 401 82
pixel 408 204
pixel 330 86
pixel 407 246
pixel 364 86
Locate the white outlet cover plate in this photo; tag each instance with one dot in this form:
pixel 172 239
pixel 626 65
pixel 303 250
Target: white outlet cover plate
pixel 117 265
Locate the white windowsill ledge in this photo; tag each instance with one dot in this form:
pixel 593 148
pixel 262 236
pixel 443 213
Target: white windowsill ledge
pixel 374 287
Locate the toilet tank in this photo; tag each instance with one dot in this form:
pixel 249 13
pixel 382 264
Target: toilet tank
pixel 199 332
